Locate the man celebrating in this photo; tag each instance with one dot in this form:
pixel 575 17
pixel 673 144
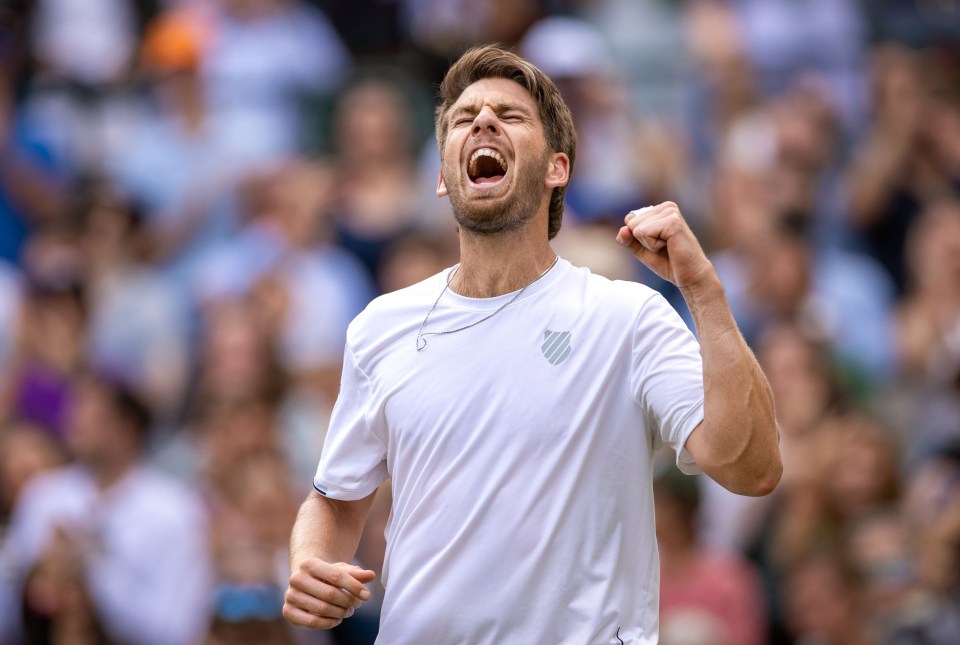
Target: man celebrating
pixel 516 402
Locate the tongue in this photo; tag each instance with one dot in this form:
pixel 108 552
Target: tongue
pixel 488 180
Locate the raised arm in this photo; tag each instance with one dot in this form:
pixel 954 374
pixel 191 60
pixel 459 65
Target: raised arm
pixel 324 587
pixel 737 444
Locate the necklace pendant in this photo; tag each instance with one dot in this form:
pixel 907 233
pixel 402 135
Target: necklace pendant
pixel 421 335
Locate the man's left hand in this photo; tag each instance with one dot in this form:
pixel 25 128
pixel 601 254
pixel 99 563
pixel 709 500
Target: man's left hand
pixel 661 239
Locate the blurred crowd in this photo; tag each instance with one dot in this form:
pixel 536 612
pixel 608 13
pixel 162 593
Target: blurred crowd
pixel 197 196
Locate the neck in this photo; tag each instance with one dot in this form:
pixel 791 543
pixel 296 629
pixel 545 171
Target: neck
pixel 492 265
pixel 108 472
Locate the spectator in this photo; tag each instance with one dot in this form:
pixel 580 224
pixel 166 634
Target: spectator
pixel 138 316
pixel 304 289
pixel 249 532
pixel 910 155
pixel 928 319
pixel 776 272
pixel 824 604
pixel 696 585
pixel 932 506
pixel 378 195
pixel 267 55
pixel 182 163
pixel 621 159
pixel 31 181
pixel 135 541
pixel 51 352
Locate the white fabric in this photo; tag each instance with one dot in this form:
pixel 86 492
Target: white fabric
pixel 522 509
pixel 149 573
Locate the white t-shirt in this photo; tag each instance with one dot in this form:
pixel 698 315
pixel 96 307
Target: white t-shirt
pixel 520 451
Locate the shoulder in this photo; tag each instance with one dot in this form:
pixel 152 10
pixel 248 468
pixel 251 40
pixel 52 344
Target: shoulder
pixel 52 497
pixel 394 311
pixel 624 296
pixel 60 484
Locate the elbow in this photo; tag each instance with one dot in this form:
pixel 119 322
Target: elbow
pixel 766 480
pixel 765 485
pixel 756 478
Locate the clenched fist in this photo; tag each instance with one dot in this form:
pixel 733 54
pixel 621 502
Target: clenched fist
pixel 661 239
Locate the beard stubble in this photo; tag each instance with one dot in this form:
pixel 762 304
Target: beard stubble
pixel 503 214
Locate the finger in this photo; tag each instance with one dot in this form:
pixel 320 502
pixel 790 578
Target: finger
pixel 655 261
pixel 301 618
pixel 658 228
pixel 639 212
pixel 665 207
pixel 315 606
pixel 652 225
pixel 625 238
pixel 323 591
pixel 652 211
pixel 337 575
pixel 649 231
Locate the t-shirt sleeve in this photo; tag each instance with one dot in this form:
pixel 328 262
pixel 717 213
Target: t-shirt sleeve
pixel 354 458
pixel 668 377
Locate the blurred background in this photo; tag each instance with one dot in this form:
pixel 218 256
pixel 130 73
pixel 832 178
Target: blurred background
pixel 197 196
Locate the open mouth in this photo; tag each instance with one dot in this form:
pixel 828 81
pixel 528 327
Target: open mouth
pixel 486 166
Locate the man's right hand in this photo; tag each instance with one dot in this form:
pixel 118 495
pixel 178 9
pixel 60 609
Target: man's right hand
pixel 322 594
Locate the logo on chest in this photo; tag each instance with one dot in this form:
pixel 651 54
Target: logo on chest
pixel 556 346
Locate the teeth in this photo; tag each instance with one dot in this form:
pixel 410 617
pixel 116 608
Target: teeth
pixel 485 152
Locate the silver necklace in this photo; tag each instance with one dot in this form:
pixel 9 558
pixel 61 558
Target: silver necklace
pixel 422 337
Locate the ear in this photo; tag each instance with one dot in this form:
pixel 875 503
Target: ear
pixel 441 187
pixel 558 172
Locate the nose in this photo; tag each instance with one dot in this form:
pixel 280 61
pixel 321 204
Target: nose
pixel 486 121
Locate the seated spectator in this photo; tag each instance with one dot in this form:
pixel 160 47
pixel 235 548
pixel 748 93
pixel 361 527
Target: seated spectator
pixel 824 603
pixel 138 538
pixel 928 321
pixel 181 163
pixel 250 532
pixel 138 316
pixel 50 352
pixel 697 585
pixel 776 272
pixel 910 154
pixel 265 56
pixel 931 508
pixel 883 556
pixel 622 159
pixel 379 197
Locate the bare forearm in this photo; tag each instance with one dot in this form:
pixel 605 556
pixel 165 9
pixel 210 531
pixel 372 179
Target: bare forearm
pixel 327 529
pixel 737 444
pixel 324 587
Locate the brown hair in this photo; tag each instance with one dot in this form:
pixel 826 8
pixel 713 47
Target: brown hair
pixel 490 61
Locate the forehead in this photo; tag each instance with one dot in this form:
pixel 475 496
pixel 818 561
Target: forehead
pixel 496 92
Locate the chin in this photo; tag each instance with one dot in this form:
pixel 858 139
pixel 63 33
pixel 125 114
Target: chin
pixel 490 217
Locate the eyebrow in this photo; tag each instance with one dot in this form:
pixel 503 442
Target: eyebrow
pixel 498 107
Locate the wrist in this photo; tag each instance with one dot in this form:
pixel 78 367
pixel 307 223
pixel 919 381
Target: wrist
pixel 707 288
